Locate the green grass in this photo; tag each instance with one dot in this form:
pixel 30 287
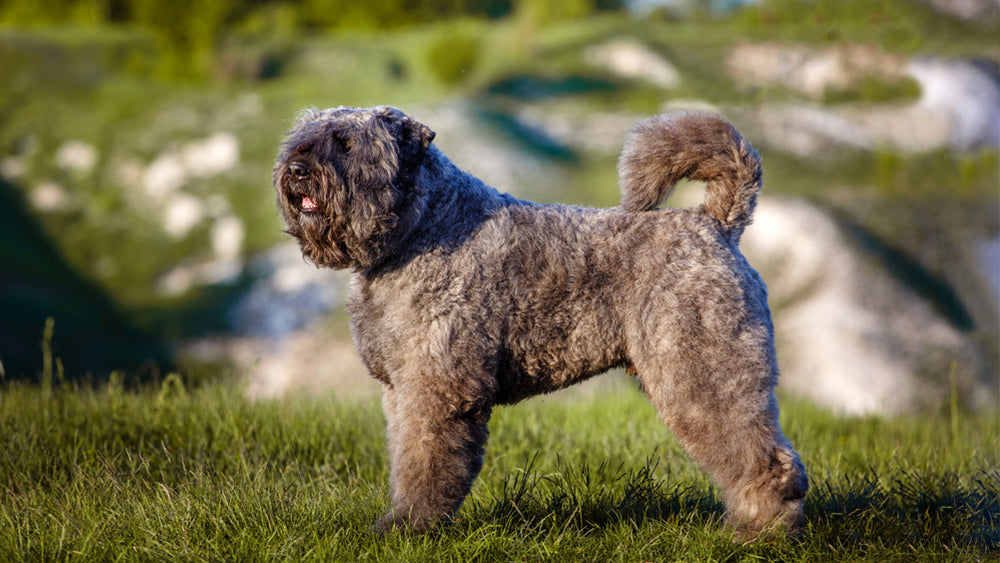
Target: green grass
pixel 173 473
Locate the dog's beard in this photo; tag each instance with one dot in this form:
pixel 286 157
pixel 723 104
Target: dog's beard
pixel 309 217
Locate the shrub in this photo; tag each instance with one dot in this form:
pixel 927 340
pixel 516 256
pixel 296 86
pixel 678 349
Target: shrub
pixel 452 58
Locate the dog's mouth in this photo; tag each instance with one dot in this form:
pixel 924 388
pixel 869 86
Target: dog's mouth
pixel 308 205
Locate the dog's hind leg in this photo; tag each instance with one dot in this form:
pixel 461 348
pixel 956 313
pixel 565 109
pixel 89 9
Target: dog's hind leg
pixel 717 396
pixel 435 453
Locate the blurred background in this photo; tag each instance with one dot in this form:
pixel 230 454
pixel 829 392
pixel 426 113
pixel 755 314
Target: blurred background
pixel 139 236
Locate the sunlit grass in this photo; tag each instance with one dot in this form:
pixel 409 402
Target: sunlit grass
pixel 170 472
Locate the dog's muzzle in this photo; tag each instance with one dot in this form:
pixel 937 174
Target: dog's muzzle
pixel 300 174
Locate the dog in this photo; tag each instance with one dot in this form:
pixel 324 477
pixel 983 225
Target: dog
pixel 463 298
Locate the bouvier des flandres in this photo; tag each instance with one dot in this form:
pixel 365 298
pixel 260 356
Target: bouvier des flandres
pixel 463 298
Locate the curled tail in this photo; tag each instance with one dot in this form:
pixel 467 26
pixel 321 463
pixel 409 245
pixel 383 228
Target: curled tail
pixel 661 150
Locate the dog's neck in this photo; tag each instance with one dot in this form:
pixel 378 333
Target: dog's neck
pixel 456 196
pixel 455 206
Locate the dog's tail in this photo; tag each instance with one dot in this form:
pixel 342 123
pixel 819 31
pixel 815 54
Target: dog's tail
pixel 661 150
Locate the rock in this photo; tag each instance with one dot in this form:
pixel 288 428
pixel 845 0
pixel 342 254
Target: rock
pixel 804 130
pixel 182 278
pixel 76 156
pixel 199 159
pixel 288 294
pixel 480 149
pixel 964 94
pixel 631 59
pixel 209 157
pixel 280 339
pixel 129 173
pixel 959 104
pixel 49 196
pixel 163 176
pixel 308 361
pixel 850 336
pixel 809 70
pixel 969 10
pixel 181 213
pixel 988 260
pixel 580 128
pixel 227 237
pixel 12 167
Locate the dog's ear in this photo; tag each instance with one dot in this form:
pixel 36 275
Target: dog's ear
pixel 412 137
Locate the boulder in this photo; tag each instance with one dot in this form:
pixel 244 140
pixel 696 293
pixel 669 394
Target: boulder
pixel 851 336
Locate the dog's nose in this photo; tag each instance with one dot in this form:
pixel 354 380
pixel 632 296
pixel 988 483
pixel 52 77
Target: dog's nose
pixel 299 170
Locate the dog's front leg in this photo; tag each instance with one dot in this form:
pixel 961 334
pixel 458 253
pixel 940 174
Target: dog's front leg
pixel 436 447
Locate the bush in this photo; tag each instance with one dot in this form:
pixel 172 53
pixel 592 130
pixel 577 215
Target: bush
pixel 452 58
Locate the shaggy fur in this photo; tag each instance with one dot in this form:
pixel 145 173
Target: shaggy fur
pixel 463 298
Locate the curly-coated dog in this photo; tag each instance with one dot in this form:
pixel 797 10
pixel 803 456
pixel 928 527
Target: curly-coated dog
pixel 463 298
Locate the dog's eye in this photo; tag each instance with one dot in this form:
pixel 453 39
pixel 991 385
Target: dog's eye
pixel 299 170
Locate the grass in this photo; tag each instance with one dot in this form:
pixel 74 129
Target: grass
pixel 202 473
pixel 198 472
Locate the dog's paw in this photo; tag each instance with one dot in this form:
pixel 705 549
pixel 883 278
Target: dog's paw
pixel 394 521
pixel 391 522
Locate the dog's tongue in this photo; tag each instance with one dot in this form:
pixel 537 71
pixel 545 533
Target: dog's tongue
pixel 308 204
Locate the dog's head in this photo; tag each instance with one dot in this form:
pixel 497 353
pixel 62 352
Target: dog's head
pixel 345 183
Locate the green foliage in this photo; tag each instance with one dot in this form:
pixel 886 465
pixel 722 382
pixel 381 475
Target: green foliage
pixel 168 471
pixel 453 57
pixel 876 90
pixel 542 12
pixel 899 26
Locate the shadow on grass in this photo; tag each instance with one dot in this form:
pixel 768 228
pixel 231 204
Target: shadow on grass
pixel 907 509
pixel 580 496
pixel 905 513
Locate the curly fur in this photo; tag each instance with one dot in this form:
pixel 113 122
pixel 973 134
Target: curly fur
pixel 463 298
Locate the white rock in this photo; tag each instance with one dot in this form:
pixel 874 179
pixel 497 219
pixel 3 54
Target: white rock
pixel 187 276
pixel 959 105
pixel 809 70
pixel 164 176
pixel 219 271
pixel 209 157
pixel 199 159
pixel 962 93
pixel 177 281
pixel 491 157
pixel 988 258
pixel 129 173
pixel 12 167
pixel 181 214
pixel 968 9
pixel 227 237
pixel 849 335
pixel 631 59
pixel 289 294
pixel 309 361
pixel 77 156
pixel 579 128
pixel 49 196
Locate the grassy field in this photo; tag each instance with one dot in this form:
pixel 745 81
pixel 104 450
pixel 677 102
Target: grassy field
pixel 184 474
pixel 152 468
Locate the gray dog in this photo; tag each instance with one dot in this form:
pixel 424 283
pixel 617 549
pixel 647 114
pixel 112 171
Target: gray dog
pixel 463 298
